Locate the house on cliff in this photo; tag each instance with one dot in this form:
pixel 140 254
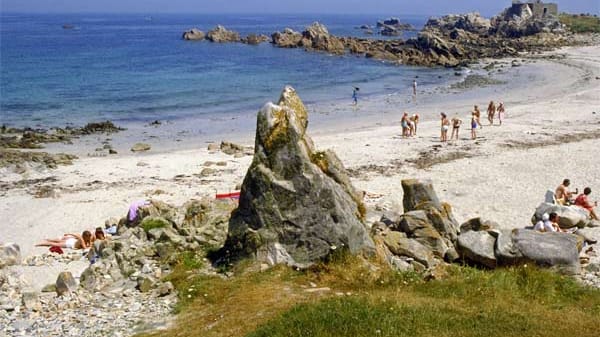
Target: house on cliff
pixel 536 9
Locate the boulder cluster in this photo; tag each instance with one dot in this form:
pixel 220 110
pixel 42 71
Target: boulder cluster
pixel 125 273
pixel 220 34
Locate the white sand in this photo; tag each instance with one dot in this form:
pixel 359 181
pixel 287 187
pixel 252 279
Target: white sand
pixel 547 99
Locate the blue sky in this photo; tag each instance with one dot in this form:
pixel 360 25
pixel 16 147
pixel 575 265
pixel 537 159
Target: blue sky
pixel 388 7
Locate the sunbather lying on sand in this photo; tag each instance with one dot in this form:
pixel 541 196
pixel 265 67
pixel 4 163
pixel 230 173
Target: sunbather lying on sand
pixel 71 241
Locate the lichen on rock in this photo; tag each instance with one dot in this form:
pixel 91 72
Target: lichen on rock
pixel 297 205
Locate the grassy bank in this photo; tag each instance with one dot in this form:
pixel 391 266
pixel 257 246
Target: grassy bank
pixel 579 23
pixel 352 297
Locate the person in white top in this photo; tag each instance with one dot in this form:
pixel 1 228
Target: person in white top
pixel 549 223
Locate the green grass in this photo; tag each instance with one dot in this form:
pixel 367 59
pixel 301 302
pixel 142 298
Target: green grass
pixel 366 298
pixel 580 23
pixel 152 223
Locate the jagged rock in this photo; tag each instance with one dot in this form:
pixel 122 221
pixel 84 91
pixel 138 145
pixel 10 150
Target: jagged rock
pixel 286 39
pixel 400 245
pixel 418 193
pixel 294 199
pixel 471 22
pixel 320 39
pixel 65 283
pixel 140 147
pixel 19 159
pixel 193 34
pixel 416 225
pixel 213 147
pixel 477 247
pixel 570 216
pixel 254 39
pixel 10 254
pixel 165 289
pixel 518 21
pixel 145 283
pixel 221 34
pixel 30 300
pixel 88 279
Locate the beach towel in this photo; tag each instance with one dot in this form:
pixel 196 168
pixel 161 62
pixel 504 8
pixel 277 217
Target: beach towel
pixel 56 249
pixel 232 195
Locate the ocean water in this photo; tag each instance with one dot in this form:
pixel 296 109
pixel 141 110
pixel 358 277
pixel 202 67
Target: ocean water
pixel 136 68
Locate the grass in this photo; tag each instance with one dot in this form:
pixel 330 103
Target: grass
pixel 152 223
pixel 580 23
pixel 349 296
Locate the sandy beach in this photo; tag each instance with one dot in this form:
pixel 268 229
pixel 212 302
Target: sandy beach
pixel 551 131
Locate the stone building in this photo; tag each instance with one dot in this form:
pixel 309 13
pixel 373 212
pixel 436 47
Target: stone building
pixel 536 9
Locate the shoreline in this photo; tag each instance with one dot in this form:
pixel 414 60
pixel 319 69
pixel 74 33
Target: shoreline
pixel 95 189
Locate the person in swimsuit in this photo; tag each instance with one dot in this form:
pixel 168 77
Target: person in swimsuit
pixel 444 130
pixel 491 110
pixel 477 114
pixel 456 122
pixel 71 241
pixel 473 126
pixel 563 195
pixel 500 112
pixel 355 95
pixel 413 123
pixel 582 201
pixel 405 126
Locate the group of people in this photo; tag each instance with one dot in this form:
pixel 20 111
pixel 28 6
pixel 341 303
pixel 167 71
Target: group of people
pixel 456 122
pixel 409 124
pixel 565 197
pixel 75 241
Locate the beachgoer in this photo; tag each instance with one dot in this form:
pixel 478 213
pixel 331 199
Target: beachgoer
pixel 477 114
pixel 491 110
pixel 583 201
pixel 404 124
pixel 71 241
pixel 563 195
pixel 415 89
pixel 99 234
pixel 355 95
pixel 444 130
pixel 500 112
pixel 413 123
pixel 554 218
pixel 456 122
pixel 473 126
pixel 544 225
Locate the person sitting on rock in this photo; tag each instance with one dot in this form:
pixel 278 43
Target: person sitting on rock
pixel 71 241
pixel 544 225
pixel 554 218
pixel 583 201
pixel 563 195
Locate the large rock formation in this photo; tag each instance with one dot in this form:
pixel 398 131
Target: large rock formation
pixel 519 20
pixel 297 205
pixel 193 34
pixel 315 37
pixel 221 34
pixel 471 22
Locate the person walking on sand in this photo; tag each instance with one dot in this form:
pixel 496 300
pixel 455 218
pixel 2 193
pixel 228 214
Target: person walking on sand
pixel 414 85
pixel 477 114
pixel 444 130
pixel 500 112
pixel 355 95
pixel 456 122
pixel 473 126
pixel 491 110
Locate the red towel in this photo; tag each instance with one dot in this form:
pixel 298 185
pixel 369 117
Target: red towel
pixel 56 249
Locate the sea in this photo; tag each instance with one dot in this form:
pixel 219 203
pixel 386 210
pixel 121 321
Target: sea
pixel 70 69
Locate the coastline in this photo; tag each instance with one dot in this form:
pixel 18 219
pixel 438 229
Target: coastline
pixel 496 181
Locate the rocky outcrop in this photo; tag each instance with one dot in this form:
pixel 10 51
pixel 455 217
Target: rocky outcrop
pixel 140 147
pixel 315 37
pixel 394 23
pixel 297 205
pixel 570 216
pixel 471 22
pixel 254 39
pixel 519 21
pixel 193 34
pixel 221 34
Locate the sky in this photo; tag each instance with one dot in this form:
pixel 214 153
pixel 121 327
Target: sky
pixel 388 7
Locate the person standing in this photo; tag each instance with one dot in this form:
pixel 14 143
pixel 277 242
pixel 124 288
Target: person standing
pixel 415 88
pixel 355 95
pixel 473 126
pixel 500 112
pixel 456 122
pixel 444 130
pixel 477 114
pixel 491 110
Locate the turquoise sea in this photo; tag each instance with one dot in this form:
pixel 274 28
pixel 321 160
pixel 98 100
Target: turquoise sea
pixel 136 68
